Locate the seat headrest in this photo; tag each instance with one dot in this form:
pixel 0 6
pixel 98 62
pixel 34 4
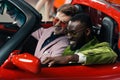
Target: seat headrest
pixel 107 22
pixel 79 8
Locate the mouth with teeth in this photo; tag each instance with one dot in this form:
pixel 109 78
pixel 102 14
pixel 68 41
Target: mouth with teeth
pixel 72 42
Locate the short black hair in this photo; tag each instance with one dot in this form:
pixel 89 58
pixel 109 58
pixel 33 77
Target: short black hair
pixel 84 18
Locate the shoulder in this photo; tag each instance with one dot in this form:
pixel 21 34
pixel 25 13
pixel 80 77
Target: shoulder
pixel 103 44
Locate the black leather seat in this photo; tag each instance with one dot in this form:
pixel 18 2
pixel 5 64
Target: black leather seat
pixel 107 31
pixel 108 34
pixel 79 8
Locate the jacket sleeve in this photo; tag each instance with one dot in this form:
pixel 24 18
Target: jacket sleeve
pixel 37 34
pixel 59 47
pixel 55 49
pixel 99 55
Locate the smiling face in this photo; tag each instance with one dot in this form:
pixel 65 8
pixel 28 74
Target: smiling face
pixel 60 23
pixel 77 34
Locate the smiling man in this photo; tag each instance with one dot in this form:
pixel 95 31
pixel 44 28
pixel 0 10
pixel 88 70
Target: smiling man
pixel 84 47
pixel 52 41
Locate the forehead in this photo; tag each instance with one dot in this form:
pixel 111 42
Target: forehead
pixel 62 17
pixel 73 25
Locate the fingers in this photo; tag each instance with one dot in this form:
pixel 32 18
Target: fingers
pixel 51 63
pixel 47 60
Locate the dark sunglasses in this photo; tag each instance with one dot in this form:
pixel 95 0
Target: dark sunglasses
pixel 62 24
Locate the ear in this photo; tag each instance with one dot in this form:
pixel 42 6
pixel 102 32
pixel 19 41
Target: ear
pixel 88 31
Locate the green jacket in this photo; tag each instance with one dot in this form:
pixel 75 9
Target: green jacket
pixel 96 53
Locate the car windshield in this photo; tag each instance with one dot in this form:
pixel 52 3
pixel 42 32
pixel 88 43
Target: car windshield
pixel 12 19
pixel 17 16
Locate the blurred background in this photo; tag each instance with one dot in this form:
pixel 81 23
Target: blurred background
pixel 33 3
pixel 3 18
pixel 57 4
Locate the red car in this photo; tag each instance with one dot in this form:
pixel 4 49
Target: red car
pixel 15 35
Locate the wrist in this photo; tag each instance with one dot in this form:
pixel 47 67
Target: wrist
pixel 73 58
pixel 81 58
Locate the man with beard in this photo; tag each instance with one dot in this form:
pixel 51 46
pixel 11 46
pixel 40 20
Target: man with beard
pixel 84 47
pixel 52 41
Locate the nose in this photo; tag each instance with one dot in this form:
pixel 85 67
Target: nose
pixel 57 24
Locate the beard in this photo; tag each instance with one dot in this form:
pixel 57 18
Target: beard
pixel 77 44
pixel 60 31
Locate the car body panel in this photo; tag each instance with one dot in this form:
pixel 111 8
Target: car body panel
pixel 70 71
pixel 77 72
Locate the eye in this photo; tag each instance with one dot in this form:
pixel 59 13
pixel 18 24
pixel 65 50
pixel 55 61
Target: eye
pixel 72 33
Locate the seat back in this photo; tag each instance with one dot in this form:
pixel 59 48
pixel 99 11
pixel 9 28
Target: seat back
pixel 79 8
pixel 107 31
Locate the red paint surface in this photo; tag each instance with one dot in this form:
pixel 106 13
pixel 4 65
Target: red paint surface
pixel 77 72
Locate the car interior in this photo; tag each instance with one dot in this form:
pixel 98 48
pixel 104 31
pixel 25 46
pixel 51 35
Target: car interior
pixel 17 35
pixel 104 27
